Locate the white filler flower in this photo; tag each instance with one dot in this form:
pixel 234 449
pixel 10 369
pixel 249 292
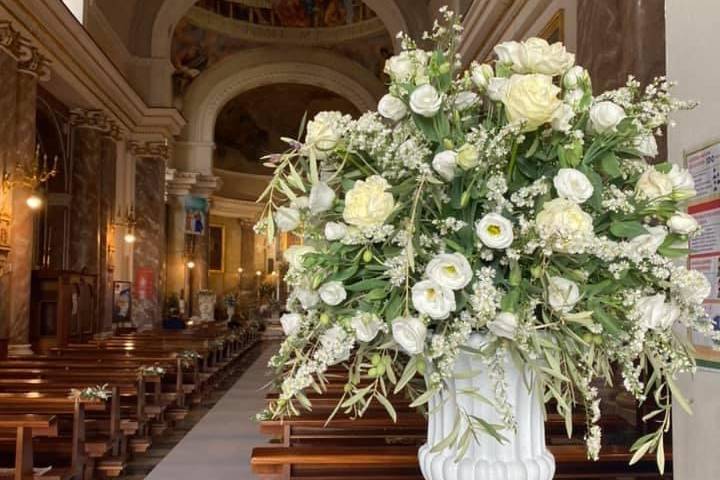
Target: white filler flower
pixel 409 333
pixel 332 293
pixel 434 300
pixel 426 101
pixel 290 323
pixel 563 294
pixel 495 231
pixel 450 269
pixel 573 185
pixel 504 325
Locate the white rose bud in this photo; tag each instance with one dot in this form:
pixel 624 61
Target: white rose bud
pixel 495 231
pixel 335 230
pixel 468 156
pixel 426 101
pixel 332 293
pixel 444 163
pixel 682 182
pixel 562 117
pixel 290 323
pixel 563 294
pixel 287 218
pixel 392 108
pixel 465 100
pixel 653 184
pixel 481 75
pixel 409 333
pixel 646 145
pixel 573 185
pixel 683 224
pixel 434 300
pixel 366 326
pixel 321 198
pixel 605 116
pixel 655 314
pixel 504 325
pixel 450 269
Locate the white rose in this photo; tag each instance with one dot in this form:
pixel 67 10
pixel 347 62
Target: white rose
pixel 434 300
pixel 563 294
pixel 290 323
pixel 653 184
pixel 465 100
pixel 287 218
pixel 308 298
pixel 409 333
pixel 535 55
pixel 368 204
pixel 496 88
pixel 401 67
pixel 335 230
pixel 654 314
pixel 504 325
pixel 323 133
pixel 481 75
pixel 426 101
pixel 605 116
pixel 332 293
pixel 564 224
pixel 574 76
pixel 450 269
pixel 683 223
pixel 562 117
pixel 509 52
pixel 530 98
pixel 646 145
pixel 366 326
pixel 294 255
pixel 321 198
pixel 468 157
pixel 495 231
pixel 648 243
pixel 392 108
pixel 444 163
pixel 682 182
pixel 573 185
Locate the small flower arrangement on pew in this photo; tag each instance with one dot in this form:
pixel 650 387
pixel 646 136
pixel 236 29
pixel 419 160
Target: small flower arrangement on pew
pixel 98 392
pixel 188 358
pixel 504 200
pixel 151 371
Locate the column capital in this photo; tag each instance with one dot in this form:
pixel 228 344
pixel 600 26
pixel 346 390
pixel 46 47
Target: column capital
pixel 181 183
pixel 206 185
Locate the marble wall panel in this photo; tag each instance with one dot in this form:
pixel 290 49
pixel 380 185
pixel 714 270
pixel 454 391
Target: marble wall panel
pixel 107 208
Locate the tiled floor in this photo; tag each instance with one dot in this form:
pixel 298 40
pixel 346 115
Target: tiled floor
pixel 215 440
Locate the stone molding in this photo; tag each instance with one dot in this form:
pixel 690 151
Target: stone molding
pixel 181 183
pixel 97 120
pixel 149 149
pixel 245 211
pixel 206 185
pixel 29 58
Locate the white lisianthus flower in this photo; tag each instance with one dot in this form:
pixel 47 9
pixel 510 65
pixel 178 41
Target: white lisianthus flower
pixel 468 156
pixel 445 163
pixel 366 326
pixel 481 75
pixel 368 204
pixel 335 230
pixel 564 224
pixel 683 224
pixel 290 323
pixel 562 117
pixel 535 55
pixel 321 198
pixel 332 293
pixel 653 184
pixel 450 269
pixel 573 185
pixel 574 76
pixel 682 182
pixel 646 145
pixel 495 231
pixel 649 242
pixel 432 299
pixel 496 88
pixel 294 255
pixel 287 218
pixel 308 298
pixel 530 98
pixel 562 293
pixel 605 116
pixel 465 100
pixel 426 101
pixel 504 325
pixel 323 133
pixel 392 108
pixel 655 314
pixel 409 333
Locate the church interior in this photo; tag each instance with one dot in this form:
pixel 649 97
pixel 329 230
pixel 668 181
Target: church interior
pixel 139 303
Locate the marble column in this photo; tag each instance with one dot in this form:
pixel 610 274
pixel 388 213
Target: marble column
pixel 106 234
pixel 178 189
pixel 149 248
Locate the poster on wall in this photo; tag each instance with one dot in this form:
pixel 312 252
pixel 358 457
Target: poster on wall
pixel 196 209
pixel 144 283
pixel 122 302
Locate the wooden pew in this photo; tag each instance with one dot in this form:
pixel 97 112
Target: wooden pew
pixel 26 427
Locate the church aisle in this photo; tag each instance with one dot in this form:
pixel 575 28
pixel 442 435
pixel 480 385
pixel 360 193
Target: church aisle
pixel 219 446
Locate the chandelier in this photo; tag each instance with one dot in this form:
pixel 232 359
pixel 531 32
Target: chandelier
pixel 31 176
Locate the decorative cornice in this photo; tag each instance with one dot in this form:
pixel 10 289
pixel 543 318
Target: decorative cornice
pixel 96 120
pixel 153 149
pixel 9 39
pixel 206 185
pixel 181 183
pixel 29 58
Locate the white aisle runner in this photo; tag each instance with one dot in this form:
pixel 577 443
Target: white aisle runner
pixel 219 446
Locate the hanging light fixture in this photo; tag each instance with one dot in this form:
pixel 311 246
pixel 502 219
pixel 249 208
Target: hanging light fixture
pixel 190 264
pixel 127 219
pixel 34 201
pixel 31 177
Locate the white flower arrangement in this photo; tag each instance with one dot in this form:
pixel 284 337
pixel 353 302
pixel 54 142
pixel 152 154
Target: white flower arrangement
pixel 98 392
pixel 151 370
pixel 526 212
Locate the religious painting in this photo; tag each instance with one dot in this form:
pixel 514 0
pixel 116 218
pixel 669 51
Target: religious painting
pixel 144 283
pixel 122 302
pixel 195 215
pixel 216 248
pixel 554 31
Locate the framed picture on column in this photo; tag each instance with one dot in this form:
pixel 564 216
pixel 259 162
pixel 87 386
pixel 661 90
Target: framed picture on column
pixel 122 302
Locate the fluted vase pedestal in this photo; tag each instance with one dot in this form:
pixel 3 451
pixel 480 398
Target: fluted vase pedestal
pixel 524 456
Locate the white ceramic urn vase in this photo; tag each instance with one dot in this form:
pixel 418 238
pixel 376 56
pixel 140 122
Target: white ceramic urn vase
pixel 523 457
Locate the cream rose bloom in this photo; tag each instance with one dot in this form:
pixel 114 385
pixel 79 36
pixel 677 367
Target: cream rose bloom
pixel 495 231
pixel 366 326
pixel 531 98
pixel 504 325
pixel 392 108
pixel 332 293
pixel 432 299
pixel 409 333
pixel 563 294
pixel 368 204
pixel 573 185
pixel 287 218
pixel 450 269
pixel 682 182
pixel 564 225
pixel 323 133
pixel 444 164
pixel 535 55
pixel 426 101
pixel 653 184
pixel 683 224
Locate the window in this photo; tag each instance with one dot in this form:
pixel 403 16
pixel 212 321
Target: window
pixel 77 7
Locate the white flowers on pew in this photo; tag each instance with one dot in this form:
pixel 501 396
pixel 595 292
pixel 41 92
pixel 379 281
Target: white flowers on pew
pixel 98 392
pixel 151 370
pixel 506 200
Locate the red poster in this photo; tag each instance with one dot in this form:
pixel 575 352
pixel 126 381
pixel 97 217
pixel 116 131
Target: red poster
pixel 144 283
